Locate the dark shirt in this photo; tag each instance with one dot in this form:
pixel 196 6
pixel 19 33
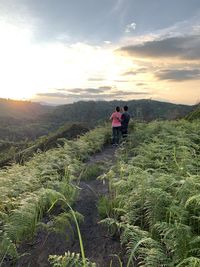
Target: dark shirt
pixel 125 119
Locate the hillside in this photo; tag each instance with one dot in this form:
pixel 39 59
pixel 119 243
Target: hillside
pixel 81 205
pixel 23 122
pixel 194 115
pixel 92 112
pixel 22 109
pixel 19 120
pixel 19 152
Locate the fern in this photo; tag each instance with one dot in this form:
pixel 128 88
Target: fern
pixel 194 200
pixel 176 237
pixel 141 247
pixel 156 181
pixel 28 192
pixel 191 261
pixel 7 248
pixel 69 260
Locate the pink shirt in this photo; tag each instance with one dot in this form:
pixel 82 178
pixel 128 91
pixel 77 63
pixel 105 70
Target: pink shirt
pixel 116 116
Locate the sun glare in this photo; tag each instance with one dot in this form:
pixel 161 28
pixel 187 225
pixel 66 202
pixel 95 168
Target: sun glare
pixel 28 68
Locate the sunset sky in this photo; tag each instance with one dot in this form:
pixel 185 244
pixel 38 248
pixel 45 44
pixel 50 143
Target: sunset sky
pixel 69 50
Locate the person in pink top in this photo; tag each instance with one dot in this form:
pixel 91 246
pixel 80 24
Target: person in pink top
pixel 116 126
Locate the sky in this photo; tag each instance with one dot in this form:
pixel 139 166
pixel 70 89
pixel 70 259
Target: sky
pixel 69 50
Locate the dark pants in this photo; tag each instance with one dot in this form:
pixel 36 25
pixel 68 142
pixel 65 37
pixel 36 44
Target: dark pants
pixel 124 130
pixel 116 132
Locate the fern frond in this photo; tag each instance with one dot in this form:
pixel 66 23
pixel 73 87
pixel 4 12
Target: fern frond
pixel 7 248
pixel 191 261
pixel 194 200
pixel 69 260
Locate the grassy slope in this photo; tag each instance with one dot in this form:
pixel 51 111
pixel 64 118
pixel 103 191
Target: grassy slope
pixel 155 194
pixel 27 192
pixel 194 115
pixel 20 152
pixel 154 191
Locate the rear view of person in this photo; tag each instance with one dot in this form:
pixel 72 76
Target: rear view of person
pixel 124 122
pixel 116 126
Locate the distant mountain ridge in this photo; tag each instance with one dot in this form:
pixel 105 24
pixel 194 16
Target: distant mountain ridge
pixel 91 112
pixel 84 110
pixel 22 109
pixel 21 120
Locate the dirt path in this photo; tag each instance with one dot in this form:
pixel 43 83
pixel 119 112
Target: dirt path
pixel 98 245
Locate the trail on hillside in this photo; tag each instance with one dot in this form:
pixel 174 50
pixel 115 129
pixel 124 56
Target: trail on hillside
pixel 99 246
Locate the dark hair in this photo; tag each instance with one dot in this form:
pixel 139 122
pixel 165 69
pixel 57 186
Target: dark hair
pixel 125 108
pixel 118 109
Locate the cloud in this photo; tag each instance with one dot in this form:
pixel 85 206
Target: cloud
pixel 93 90
pixel 126 93
pixel 130 73
pixel 130 27
pixel 178 74
pixel 96 79
pixel 105 88
pixel 81 90
pixel 134 72
pixel 122 81
pixel 140 84
pixel 53 95
pixel 74 90
pixel 107 42
pixel 68 21
pixel 183 47
pixel 86 90
pixel 104 92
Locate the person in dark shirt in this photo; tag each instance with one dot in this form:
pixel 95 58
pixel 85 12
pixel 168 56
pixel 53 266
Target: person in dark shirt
pixel 124 122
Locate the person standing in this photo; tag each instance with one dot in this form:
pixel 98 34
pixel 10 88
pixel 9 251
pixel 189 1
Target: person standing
pixel 125 118
pixel 116 126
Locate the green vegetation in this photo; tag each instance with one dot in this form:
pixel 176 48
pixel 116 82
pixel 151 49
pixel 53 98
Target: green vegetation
pixel 153 206
pixel 31 191
pixel 22 109
pixel 22 151
pixel 24 125
pixel 156 184
pixel 69 259
pixel 91 112
pixel 92 171
pixel 194 115
pixel 23 120
pixel 108 207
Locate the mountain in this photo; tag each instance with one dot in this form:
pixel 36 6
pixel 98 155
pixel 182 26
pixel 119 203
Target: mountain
pixel 22 109
pixel 92 112
pixel 24 120
pixel 19 120
pixel 26 126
